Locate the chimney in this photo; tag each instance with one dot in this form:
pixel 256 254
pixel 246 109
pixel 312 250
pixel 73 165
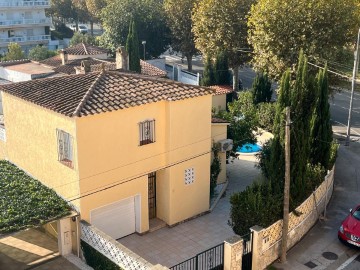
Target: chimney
pixel 64 57
pixel 122 59
pixel 84 68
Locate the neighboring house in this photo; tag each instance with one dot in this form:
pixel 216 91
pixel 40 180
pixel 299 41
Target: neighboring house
pixel 222 95
pixel 24 22
pixel 65 64
pixel 122 148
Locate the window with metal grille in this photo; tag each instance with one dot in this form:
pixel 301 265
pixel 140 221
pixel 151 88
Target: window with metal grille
pixel 147 132
pixel 189 176
pixel 65 148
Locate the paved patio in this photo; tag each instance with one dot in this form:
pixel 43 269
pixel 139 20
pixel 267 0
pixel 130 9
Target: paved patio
pixel 170 246
pixel 31 249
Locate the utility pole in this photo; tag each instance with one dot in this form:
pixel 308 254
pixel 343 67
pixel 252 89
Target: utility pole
pixel 285 227
pixel 353 85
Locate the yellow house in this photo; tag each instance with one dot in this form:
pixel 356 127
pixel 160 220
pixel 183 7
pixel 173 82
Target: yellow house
pixel 220 97
pixel 121 147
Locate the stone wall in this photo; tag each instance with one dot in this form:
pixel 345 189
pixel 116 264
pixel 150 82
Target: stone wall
pixel 267 242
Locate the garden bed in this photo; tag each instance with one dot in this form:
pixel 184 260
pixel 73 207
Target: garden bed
pixel 25 202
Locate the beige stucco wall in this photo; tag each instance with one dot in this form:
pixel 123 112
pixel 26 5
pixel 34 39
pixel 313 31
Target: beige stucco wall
pixel 218 133
pixel 219 102
pixel 109 153
pixel 31 144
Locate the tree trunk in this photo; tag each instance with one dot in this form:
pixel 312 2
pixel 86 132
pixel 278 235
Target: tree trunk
pixel 92 28
pixel 236 79
pixel 189 62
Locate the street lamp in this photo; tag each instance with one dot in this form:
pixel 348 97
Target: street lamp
pixel 144 43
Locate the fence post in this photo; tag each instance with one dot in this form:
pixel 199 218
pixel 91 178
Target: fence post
pixel 64 236
pixel 257 234
pixel 233 251
pixel 198 78
pixel 179 73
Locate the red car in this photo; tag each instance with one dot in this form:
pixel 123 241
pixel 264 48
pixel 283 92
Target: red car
pixel 349 230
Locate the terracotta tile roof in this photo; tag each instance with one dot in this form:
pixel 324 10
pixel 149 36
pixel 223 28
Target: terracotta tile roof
pixel 14 62
pixel 95 92
pixel 85 49
pixel 151 70
pixel 216 120
pixel 69 68
pixel 222 89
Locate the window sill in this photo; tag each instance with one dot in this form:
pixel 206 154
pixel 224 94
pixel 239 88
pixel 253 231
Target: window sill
pixel 67 163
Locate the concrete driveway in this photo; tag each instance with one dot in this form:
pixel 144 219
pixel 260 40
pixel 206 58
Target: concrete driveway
pixel 170 246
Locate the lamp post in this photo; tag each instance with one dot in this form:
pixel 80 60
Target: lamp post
pixel 144 43
pixel 353 85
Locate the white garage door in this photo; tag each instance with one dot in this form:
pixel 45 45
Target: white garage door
pixel 117 219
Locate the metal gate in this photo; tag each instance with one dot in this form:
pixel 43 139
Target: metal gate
pixel 152 195
pixel 247 251
pixel 211 259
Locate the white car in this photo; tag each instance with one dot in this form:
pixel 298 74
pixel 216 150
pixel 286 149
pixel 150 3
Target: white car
pixel 82 28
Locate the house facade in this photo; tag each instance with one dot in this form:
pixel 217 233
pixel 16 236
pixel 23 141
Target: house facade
pixel 122 148
pixel 24 22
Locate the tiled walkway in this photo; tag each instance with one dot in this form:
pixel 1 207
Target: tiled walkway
pixel 169 246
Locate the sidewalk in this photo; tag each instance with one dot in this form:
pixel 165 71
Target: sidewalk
pixel 320 248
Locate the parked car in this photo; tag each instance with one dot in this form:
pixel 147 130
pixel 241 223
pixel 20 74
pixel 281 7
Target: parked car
pixel 82 28
pixel 349 230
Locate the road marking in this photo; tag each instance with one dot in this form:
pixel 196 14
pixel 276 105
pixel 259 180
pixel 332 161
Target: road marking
pixel 350 260
pixel 333 104
pixel 352 130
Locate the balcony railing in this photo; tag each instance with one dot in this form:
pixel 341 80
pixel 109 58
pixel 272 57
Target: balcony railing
pixel 25 39
pixel 25 22
pixel 24 3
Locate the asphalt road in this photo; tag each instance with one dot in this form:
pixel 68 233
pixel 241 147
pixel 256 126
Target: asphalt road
pixel 340 111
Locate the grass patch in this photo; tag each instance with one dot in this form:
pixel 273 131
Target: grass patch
pixel 25 202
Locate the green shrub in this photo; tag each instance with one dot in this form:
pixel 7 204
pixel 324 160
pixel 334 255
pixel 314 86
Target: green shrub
pixel 39 53
pixel 96 260
pixel 215 170
pixel 25 202
pixel 266 114
pixel 257 205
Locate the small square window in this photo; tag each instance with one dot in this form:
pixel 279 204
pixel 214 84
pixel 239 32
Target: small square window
pixel 189 176
pixel 147 132
pixel 65 148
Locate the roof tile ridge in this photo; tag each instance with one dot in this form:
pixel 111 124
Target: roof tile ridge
pixel 85 48
pixel 87 95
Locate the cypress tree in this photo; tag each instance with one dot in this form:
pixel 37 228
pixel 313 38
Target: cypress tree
pixel 132 47
pixel 222 75
pixel 321 130
pixel 301 113
pixel 261 89
pixel 208 75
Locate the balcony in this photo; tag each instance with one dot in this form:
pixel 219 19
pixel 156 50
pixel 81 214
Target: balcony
pixel 24 22
pixel 23 39
pixel 25 3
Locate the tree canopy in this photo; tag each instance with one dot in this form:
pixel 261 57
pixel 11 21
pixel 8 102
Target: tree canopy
pixel 15 52
pixel 279 29
pixel 222 26
pixel 39 53
pixel 151 23
pixel 178 14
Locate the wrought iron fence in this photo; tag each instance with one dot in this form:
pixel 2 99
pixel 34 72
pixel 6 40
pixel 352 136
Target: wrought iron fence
pixel 247 251
pixel 211 259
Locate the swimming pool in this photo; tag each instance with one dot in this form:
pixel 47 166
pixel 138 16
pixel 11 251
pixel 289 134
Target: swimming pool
pixel 249 148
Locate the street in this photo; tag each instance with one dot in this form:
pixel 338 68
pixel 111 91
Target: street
pixel 340 111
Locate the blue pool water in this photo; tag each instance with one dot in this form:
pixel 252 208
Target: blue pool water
pixel 249 148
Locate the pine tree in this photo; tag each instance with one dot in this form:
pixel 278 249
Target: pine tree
pixel 208 75
pixel 222 75
pixel 132 47
pixel 321 130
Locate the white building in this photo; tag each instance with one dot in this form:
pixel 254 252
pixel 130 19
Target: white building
pixel 24 22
